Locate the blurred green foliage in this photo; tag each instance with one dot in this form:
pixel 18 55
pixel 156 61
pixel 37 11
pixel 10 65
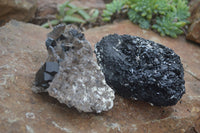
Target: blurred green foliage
pixel 69 13
pixel 168 17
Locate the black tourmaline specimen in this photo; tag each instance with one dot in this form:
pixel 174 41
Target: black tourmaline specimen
pixel 141 69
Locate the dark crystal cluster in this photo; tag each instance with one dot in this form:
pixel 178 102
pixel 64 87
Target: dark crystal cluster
pixel 141 69
pixel 46 74
pixel 70 73
pixel 48 71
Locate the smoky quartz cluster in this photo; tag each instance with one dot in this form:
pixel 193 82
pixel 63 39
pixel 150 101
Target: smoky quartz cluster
pixel 71 75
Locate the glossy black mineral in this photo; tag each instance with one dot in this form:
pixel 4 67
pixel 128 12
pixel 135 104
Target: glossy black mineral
pixel 141 69
pixel 46 74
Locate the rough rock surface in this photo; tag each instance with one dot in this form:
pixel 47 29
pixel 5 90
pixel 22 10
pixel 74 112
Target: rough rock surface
pixel 141 69
pixel 79 81
pixel 194 29
pixel 45 12
pixel 80 3
pixel 23 10
pixel 22 52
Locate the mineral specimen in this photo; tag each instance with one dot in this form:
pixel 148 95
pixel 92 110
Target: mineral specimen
pixel 70 73
pixel 141 69
pixel 46 74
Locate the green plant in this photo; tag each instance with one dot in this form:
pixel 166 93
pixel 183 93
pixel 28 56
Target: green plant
pixel 69 13
pixel 166 16
pixel 114 7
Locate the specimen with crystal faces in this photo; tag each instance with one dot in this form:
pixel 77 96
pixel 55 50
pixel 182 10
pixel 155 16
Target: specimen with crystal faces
pixel 71 75
pixel 141 69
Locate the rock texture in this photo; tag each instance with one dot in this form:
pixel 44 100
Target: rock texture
pixel 194 32
pixel 22 52
pixel 141 69
pixel 78 81
pixel 23 10
pixel 45 11
pixel 80 3
pixel 194 29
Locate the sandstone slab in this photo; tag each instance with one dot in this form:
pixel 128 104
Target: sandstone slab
pixel 82 3
pixel 23 10
pixel 22 51
pixel 194 29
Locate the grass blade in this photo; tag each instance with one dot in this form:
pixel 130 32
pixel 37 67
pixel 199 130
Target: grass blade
pixel 72 19
pixel 83 14
pixel 52 22
pixel 61 8
pixel 72 11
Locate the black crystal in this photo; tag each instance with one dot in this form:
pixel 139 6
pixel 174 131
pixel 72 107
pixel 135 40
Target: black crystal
pixel 77 34
pixel 141 69
pixel 46 74
pixel 50 42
